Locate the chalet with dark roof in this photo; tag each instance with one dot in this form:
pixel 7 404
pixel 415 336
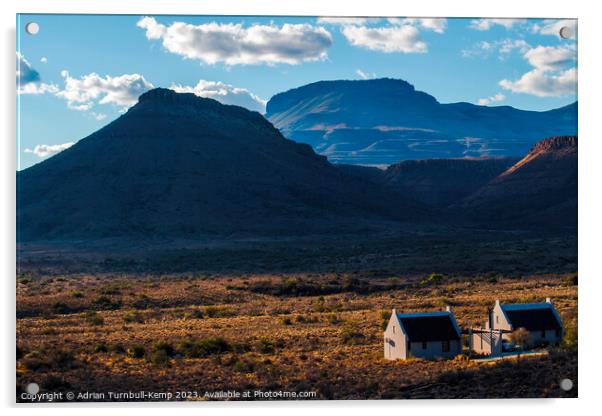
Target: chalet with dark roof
pixel 426 335
pixel 541 320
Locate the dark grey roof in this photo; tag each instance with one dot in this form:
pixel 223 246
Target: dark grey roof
pixel 429 327
pixel 532 317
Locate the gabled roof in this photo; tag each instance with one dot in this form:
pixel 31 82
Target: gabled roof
pixel 532 316
pixel 429 326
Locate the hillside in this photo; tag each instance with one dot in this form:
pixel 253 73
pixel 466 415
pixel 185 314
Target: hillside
pixel 181 165
pixel 539 189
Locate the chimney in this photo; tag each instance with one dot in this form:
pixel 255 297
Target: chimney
pixel 497 302
pixel 448 308
pixel 394 311
pixel 548 300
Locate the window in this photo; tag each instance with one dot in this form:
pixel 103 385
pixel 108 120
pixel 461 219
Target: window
pixel 497 319
pixel 543 333
pixel 558 332
pixel 393 328
pixel 445 345
pixel 424 345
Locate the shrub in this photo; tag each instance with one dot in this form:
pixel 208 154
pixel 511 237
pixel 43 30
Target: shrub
pixel 165 347
pixel 77 294
pixel 265 346
pixel 136 351
pixel 432 279
pixel 133 316
pixel 100 347
pixel 205 347
pixel 350 334
pixel 105 302
pixel 219 312
pixel 287 320
pixel 194 314
pixel 60 307
pixel 571 280
pixel 93 318
pixel 117 348
pixel 159 358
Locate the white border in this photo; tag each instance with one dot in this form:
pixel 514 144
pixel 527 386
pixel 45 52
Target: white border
pixel 590 207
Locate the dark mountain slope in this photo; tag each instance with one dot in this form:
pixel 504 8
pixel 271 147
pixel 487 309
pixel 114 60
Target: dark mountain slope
pixel 436 183
pixel 180 165
pixel 382 121
pixel 442 182
pixel 540 189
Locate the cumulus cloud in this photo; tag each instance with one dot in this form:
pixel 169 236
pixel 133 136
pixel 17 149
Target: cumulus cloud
pixel 553 26
pixel 435 24
pixel 549 58
pixel 493 99
pixel 89 90
pixel 549 76
pixel 44 60
pixel 403 38
pixel 486 24
pixel 29 80
pixel 43 150
pixel 538 82
pixel 224 93
pixel 234 44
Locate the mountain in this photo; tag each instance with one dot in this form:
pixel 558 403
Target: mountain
pixel 540 189
pixel 383 121
pixel 436 183
pixel 442 182
pixel 180 165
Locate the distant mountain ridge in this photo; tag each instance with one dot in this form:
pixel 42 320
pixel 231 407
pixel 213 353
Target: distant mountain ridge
pixel 383 121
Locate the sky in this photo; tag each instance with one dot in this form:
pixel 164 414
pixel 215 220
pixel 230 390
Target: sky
pixel 80 72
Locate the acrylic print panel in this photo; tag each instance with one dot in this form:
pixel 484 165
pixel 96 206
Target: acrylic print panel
pixel 275 208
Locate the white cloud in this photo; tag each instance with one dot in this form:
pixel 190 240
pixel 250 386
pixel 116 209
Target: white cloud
pixel 481 48
pixel 493 99
pixel 43 150
pixel 224 93
pixel 549 76
pixel 84 93
pixel 435 24
pixel 234 44
pixel 502 47
pixel 28 79
pixel 365 75
pixel 508 45
pixel 486 24
pixel 98 116
pixel 404 38
pixel 538 82
pixel 44 60
pixel 549 58
pixel 553 26
pixel 37 88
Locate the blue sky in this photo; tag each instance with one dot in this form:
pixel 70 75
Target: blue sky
pixel 79 72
